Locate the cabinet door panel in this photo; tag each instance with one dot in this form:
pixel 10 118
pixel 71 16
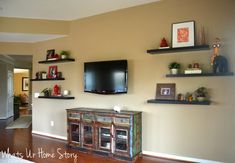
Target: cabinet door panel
pixel 122 141
pixel 75 132
pixel 105 138
pixel 88 135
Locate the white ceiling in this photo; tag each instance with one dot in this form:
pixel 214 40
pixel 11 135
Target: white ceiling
pixel 57 10
pixel 63 9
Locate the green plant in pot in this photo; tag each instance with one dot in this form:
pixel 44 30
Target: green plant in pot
pixel 47 92
pixel 174 67
pixel 201 94
pixel 64 54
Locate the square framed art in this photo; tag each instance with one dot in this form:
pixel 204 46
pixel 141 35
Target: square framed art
pixel 183 34
pixel 165 91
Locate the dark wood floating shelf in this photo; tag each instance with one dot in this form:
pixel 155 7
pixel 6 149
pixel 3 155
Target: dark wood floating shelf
pixel 181 49
pixel 58 97
pixel 200 75
pixel 47 79
pixel 57 61
pixel 179 102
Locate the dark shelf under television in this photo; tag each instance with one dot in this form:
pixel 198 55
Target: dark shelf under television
pixel 200 75
pixel 58 97
pixel 179 102
pixel 48 79
pixel 179 49
pixel 57 61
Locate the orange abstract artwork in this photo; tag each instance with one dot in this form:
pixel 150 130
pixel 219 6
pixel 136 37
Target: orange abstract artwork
pixel 183 35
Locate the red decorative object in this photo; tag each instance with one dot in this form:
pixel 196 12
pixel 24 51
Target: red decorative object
pixel 56 90
pixel 163 43
pixel 57 56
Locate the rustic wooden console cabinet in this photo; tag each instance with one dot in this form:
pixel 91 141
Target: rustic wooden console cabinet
pixel 105 132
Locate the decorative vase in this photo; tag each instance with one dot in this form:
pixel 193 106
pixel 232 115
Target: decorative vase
pixel 174 71
pixel 201 99
pixel 63 56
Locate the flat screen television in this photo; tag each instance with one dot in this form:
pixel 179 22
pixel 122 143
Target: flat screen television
pixel 106 77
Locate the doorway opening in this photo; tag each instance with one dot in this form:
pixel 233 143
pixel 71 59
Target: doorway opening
pixel 22 92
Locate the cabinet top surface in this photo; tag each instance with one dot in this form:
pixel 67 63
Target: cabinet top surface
pixel 107 111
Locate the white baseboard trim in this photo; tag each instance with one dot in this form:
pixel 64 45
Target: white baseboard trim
pixel 49 135
pixel 163 155
pixel 5 117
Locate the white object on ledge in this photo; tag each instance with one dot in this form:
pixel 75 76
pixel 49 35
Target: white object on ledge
pixel 117 108
pixel 66 92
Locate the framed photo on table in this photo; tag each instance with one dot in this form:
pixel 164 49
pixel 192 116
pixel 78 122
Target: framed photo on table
pixel 52 72
pixel 165 91
pixel 183 34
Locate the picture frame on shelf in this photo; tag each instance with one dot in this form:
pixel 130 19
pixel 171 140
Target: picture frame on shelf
pixel 165 91
pixel 50 54
pixel 25 83
pixel 183 34
pixel 52 72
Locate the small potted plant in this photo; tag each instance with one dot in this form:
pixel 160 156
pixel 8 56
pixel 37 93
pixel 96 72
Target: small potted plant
pixel 174 67
pixel 47 92
pixel 201 93
pixel 64 54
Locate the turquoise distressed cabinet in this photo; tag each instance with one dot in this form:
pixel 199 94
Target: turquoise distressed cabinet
pixel 105 132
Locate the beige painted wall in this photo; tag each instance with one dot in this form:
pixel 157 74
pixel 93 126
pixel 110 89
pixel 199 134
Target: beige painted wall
pixel 205 132
pixel 18 83
pixel 33 26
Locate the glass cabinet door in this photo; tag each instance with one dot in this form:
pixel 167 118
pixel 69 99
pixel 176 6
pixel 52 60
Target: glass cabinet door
pixel 87 135
pixel 121 143
pixel 75 132
pixel 104 138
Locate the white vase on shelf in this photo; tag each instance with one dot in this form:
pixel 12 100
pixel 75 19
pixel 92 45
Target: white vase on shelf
pixel 174 71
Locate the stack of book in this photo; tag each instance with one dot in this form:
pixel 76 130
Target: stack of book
pixel 193 71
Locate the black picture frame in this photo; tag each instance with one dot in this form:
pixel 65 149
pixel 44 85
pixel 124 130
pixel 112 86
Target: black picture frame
pixel 165 91
pixel 25 83
pixel 50 54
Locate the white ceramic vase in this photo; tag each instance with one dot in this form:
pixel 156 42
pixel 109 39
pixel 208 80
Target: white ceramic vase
pixel 174 71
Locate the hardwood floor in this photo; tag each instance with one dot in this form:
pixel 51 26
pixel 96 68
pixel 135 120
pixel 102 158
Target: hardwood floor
pixel 21 142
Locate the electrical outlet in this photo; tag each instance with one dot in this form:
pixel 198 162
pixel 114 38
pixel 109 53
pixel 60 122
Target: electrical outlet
pixel 52 123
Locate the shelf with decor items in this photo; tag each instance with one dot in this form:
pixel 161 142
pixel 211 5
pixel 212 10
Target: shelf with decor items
pixel 200 75
pixel 179 49
pixel 47 79
pixel 58 97
pixel 57 61
pixel 179 102
pixel 53 75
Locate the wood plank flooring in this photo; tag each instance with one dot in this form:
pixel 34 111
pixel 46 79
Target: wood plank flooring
pixel 21 142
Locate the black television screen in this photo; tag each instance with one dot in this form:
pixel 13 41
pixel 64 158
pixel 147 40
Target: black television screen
pixel 105 77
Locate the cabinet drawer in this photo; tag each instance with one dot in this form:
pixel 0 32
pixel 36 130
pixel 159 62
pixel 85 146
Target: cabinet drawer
pixel 88 117
pixel 121 120
pixel 74 116
pixel 103 119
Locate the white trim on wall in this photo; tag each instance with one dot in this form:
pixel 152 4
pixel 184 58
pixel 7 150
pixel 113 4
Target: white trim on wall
pixel 162 155
pixel 168 156
pixel 49 135
pixel 3 117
